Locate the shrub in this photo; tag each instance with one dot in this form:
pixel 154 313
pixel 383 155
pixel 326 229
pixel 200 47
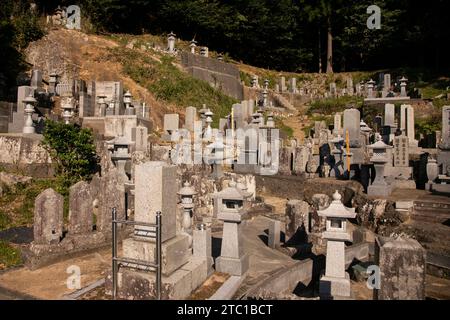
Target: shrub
pixel 73 150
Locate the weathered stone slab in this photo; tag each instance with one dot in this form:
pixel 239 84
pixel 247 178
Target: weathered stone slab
pixel 48 217
pixel 80 208
pixel 175 252
pixel 155 190
pixel 402 265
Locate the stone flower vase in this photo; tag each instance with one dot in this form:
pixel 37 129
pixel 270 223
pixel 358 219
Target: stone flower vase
pixel 432 170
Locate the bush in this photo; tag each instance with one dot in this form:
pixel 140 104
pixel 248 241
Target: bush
pixel 73 150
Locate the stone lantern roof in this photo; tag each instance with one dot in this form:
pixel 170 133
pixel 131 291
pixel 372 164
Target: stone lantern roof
pixel 187 190
pixel 337 209
pixel 364 127
pixel 230 193
pixel 379 145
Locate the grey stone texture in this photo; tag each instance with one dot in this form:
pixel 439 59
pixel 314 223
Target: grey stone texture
pixel 402 265
pixel 80 208
pixel 48 217
pixel 221 75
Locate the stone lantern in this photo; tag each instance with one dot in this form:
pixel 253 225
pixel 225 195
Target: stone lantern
pixel 193 45
pixel 128 99
pixel 254 81
pixel 102 105
pixel 232 258
pixel 171 42
pixel 121 155
pixel 53 82
pixel 220 57
pixel 370 87
pixel 67 106
pixel 337 152
pixel 207 133
pixel 379 158
pixel 336 282
pixel 187 202
pixel 403 84
pixel 216 158
pixel 29 102
pixel 204 51
pixel 266 84
pixel 365 130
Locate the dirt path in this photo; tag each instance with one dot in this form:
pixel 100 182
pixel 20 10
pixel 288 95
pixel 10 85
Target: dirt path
pixel 51 282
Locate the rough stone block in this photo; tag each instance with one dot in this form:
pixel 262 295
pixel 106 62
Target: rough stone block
pixel 402 265
pixel 199 269
pixel 136 285
pixel 233 266
pixel 175 252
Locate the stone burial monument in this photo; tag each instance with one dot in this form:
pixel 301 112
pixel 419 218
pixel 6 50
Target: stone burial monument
pixel 182 271
pixel 51 242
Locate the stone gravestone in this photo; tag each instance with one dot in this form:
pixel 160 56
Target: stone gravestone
pixel 297 221
pixel 80 208
pixel 274 234
pixel 350 88
pixel 155 191
pixel 402 264
pixel 171 123
pixel 191 117
pixel 139 136
pixel 48 217
pixel 401 154
pixel 407 123
pixel 111 195
pixel 352 119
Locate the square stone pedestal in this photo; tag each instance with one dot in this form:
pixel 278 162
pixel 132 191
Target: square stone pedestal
pixel 379 191
pixel 233 266
pixel 141 285
pixel 332 288
pixel 175 252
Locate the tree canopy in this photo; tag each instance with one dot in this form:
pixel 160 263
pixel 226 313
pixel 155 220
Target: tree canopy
pixel 287 35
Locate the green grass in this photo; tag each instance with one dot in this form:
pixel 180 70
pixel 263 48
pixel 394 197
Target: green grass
pixel 23 197
pixel 285 131
pixel 9 256
pixel 332 105
pixel 170 84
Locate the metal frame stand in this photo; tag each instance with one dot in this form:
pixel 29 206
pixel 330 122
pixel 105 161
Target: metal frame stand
pixel 119 260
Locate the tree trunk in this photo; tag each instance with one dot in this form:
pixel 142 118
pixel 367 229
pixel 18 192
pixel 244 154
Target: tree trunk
pixel 330 49
pixel 320 53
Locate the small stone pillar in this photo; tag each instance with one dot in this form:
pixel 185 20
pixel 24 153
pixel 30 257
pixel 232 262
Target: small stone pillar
pixel 274 234
pixel 202 245
pixel 336 282
pixel 255 81
pixel 29 102
pixel 232 258
pixel 379 186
